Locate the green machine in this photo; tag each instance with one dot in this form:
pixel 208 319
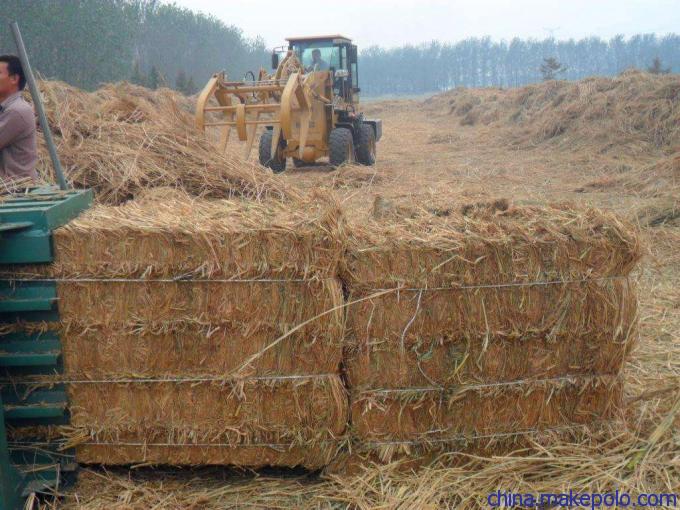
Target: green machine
pixel 30 460
pixel 27 464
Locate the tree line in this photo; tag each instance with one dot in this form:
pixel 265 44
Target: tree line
pixel 90 42
pixel 152 43
pixel 481 62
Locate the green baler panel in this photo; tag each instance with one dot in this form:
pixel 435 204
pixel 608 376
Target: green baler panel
pixel 30 218
pixel 46 208
pixel 25 296
pixel 11 482
pixel 26 224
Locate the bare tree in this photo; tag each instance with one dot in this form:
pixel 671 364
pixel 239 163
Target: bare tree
pixel 657 67
pixel 137 76
pixel 550 68
pixel 181 82
pixel 154 78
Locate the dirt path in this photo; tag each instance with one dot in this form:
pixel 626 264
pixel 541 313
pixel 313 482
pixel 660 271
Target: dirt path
pixel 425 155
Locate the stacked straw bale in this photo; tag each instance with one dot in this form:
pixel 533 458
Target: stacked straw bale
pixel 483 322
pixel 169 311
pixel 215 332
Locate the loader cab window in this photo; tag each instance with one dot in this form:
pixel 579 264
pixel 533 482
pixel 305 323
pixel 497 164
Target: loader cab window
pixel 319 55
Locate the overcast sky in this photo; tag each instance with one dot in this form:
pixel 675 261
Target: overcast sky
pixel 396 22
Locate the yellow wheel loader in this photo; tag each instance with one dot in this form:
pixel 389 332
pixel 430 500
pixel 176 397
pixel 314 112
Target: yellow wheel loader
pixel 308 106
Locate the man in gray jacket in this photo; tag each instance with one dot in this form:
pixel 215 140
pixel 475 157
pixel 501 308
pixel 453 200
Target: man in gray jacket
pixel 18 152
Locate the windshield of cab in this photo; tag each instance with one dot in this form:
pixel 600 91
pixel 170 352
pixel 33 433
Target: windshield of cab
pixel 329 55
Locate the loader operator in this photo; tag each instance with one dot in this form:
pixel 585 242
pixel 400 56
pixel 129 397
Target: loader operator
pixel 318 64
pixel 18 153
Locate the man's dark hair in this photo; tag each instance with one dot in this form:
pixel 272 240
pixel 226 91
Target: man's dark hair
pixel 14 68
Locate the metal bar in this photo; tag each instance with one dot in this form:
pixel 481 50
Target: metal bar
pixel 267 106
pixel 252 83
pixel 37 101
pixel 17 225
pixel 29 359
pixel 36 411
pixel 266 122
pixel 245 90
pixel 7 204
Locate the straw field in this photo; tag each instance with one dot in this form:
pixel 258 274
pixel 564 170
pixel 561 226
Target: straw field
pixel 572 384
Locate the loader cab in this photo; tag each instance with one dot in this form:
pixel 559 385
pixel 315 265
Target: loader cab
pixel 338 54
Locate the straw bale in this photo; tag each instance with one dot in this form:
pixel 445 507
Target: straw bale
pixel 312 457
pixel 454 451
pixel 458 336
pixel 485 245
pixel 445 363
pixel 170 234
pixel 123 139
pixel 483 321
pixel 298 413
pixel 243 411
pixel 420 416
pixel 407 317
pixel 161 305
pixel 197 350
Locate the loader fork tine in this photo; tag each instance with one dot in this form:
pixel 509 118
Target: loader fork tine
pixel 276 136
pixel 224 138
pixel 302 94
pixel 251 135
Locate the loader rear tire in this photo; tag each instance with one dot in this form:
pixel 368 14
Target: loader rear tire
pixel 277 163
pixel 341 146
pixel 366 145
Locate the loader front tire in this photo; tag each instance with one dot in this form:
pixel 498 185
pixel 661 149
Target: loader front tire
pixel 277 163
pixel 298 163
pixel 366 145
pixel 341 146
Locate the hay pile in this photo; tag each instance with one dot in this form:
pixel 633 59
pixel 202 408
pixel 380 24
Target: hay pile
pixel 658 180
pixel 634 112
pixel 658 184
pixel 485 322
pixel 169 311
pixel 123 139
pixel 655 188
